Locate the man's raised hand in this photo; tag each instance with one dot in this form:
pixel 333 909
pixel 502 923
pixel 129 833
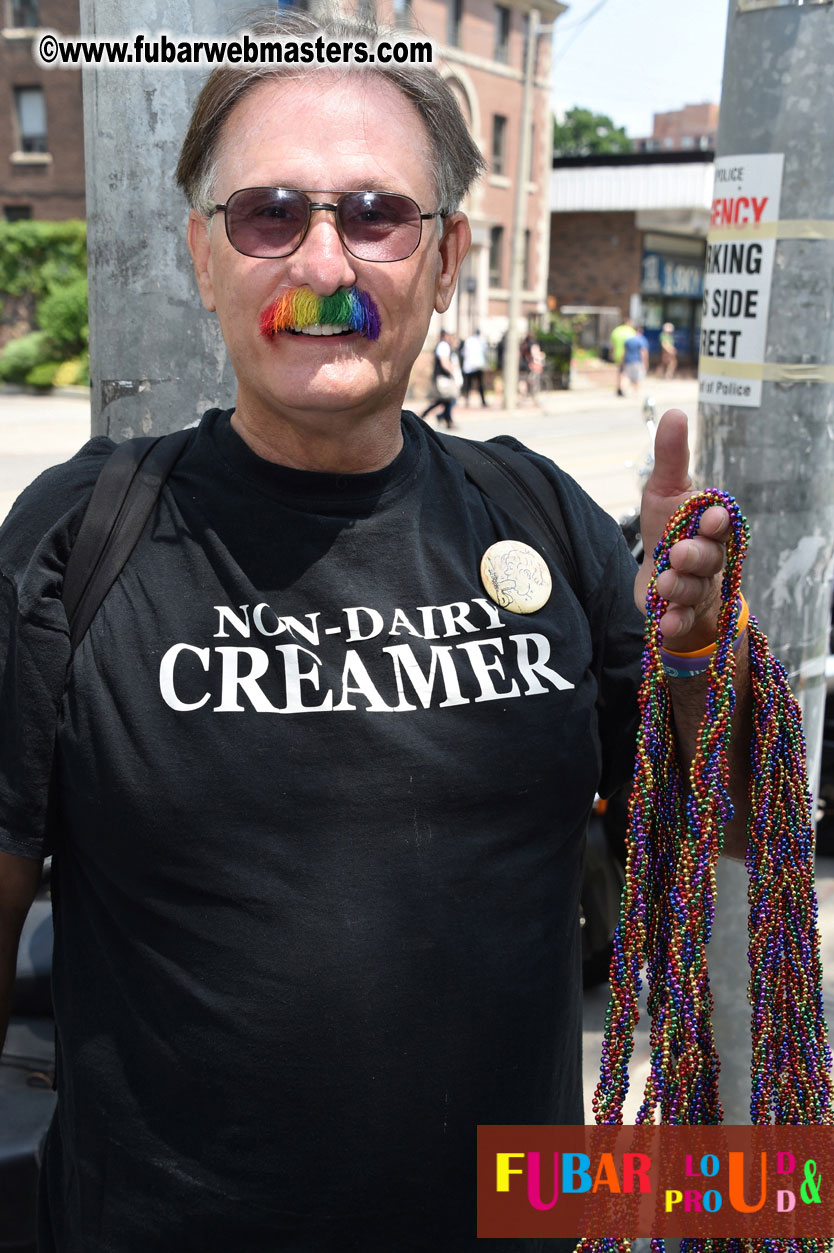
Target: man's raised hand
pixel 692 584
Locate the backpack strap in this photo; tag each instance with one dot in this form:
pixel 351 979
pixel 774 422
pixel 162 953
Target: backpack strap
pixel 123 499
pixel 514 482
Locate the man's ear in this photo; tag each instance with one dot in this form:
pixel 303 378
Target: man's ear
pixel 199 245
pixel 453 247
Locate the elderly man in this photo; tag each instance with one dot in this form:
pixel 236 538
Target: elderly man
pixel 317 801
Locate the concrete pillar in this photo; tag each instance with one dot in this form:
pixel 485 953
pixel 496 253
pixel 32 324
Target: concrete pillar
pixel 776 455
pixel 517 276
pixel 157 359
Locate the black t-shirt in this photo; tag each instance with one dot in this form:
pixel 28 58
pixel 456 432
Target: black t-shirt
pixel 317 816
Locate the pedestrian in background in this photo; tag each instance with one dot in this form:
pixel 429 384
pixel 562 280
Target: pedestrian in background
pixel 619 336
pixel 636 360
pixel 445 380
pixel 473 364
pixel 525 356
pixel 668 351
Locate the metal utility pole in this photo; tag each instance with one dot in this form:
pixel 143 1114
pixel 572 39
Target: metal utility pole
pixel 520 215
pixel 766 382
pixel 156 357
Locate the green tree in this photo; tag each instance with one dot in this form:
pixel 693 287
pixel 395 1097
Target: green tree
pixel 584 133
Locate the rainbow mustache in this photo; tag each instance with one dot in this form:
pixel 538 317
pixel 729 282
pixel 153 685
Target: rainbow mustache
pixel 349 309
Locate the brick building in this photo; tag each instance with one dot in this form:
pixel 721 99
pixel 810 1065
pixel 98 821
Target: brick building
pixel 41 117
pixel 628 237
pixel 695 126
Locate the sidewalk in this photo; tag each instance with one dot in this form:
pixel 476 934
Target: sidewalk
pixel 583 398
pixel 596 436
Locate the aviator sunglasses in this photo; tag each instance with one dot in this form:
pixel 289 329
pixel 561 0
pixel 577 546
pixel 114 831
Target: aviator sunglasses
pixel 271 222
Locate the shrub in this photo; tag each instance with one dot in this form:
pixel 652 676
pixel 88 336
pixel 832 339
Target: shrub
pixel 22 355
pixel 67 372
pixel 43 278
pixel 37 257
pixel 43 374
pixel 63 316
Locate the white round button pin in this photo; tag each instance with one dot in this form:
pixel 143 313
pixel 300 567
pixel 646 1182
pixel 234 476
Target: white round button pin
pixel 515 576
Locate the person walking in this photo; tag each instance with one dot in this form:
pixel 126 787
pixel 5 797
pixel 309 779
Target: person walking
pixel 444 381
pixel 473 364
pixel 668 351
pixel 636 360
pixel 619 335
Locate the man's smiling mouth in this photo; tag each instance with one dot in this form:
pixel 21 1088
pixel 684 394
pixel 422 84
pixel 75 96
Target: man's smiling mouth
pixel 301 312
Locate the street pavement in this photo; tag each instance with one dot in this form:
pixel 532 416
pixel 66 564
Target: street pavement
pixel 38 431
pixel 598 437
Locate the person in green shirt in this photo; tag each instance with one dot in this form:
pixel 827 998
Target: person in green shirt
pixel 619 336
pixel 668 351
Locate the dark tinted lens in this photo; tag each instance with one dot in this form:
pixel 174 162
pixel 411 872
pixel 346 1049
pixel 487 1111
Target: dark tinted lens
pixel 379 226
pixel 266 221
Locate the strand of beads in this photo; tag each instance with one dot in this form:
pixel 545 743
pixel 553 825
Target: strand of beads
pixel 667 910
pixel 673 844
pixel 791 1067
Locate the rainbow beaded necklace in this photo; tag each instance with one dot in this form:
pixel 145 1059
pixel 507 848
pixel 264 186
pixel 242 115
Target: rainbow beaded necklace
pixel 668 905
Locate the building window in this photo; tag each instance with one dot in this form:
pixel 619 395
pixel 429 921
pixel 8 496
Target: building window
pixel 496 258
pixel 454 17
pixel 502 33
pixel 17 212
pixel 402 12
pixel 31 119
pixel 25 14
pixel 687 141
pixel 499 143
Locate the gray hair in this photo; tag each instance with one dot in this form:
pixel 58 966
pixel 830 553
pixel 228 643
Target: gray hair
pixel 457 161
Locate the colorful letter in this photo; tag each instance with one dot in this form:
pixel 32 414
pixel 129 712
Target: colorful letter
pixel 737 1184
pixel 534 1181
pixel 606 1174
pixel 636 1166
pixel 503 1170
pixel 575 1176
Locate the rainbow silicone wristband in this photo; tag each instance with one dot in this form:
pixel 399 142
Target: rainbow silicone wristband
pixel 688 665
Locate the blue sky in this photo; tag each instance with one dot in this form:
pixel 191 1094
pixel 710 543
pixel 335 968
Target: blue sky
pixel 633 58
